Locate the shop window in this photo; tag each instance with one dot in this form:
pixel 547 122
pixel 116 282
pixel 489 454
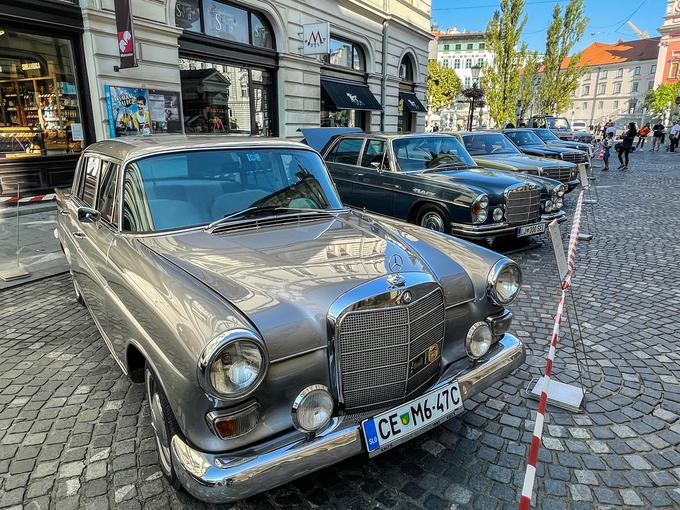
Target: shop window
pixel 406 69
pixel 346 54
pixel 39 107
pixel 223 98
pixel 188 15
pixel 260 32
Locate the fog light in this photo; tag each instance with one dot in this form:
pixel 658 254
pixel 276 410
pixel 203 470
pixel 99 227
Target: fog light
pixel 497 214
pixel 548 205
pixel 313 409
pixel 478 340
pixel 559 203
pixel 231 424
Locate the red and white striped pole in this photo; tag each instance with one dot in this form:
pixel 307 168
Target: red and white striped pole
pixel 530 473
pixel 27 200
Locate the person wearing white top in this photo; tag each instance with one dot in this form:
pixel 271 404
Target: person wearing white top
pixel 675 132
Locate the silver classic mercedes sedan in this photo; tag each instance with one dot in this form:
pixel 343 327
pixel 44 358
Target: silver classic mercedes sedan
pixel 276 331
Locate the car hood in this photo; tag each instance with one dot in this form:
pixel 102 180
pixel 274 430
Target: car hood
pixel 565 144
pixel 520 161
pixel 544 149
pixel 482 180
pixel 285 278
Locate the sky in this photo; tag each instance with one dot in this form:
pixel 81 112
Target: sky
pixel 607 18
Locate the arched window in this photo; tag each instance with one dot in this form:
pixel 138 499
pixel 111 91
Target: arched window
pixel 406 68
pixel 346 54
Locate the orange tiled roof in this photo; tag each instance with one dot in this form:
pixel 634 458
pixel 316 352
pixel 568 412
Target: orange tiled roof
pixel 599 54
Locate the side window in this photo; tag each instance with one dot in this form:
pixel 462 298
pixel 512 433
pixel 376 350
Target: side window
pixel 347 151
pixel 88 191
pixel 108 193
pixel 136 215
pixel 373 154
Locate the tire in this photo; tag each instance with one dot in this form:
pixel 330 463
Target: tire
pixel 163 423
pixel 434 218
pixel 76 290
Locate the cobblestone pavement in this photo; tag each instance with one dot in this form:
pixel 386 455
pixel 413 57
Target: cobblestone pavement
pixel 75 433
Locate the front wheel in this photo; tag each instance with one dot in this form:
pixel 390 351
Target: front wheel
pixel 434 218
pixel 164 425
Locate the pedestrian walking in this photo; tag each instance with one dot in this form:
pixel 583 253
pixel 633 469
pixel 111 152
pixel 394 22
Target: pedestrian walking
pixel 642 136
pixel 626 145
pixel 674 134
pixel 607 146
pixel 657 131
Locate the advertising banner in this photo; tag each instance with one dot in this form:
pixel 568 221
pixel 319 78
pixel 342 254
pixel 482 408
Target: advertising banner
pixel 126 34
pixel 136 111
pixel 164 106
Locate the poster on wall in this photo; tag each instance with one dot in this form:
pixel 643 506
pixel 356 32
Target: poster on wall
pixel 128 111
pixel 164 107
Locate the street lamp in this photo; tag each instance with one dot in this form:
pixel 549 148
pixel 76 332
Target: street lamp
pixel 474 93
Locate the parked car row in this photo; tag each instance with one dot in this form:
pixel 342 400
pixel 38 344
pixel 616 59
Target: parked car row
pixel 278 331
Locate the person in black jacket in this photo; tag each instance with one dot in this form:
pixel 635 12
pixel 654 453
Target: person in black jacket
pixel 627 145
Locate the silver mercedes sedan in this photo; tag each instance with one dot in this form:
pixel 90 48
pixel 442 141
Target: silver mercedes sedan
pixel 276 331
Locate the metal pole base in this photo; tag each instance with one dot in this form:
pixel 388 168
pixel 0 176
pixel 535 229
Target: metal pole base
pixel 16 273
pixel 590 201
pixel 585 237
pixel 564 396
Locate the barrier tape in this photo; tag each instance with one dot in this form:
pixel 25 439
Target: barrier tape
pixel 530 474
pixel 27 200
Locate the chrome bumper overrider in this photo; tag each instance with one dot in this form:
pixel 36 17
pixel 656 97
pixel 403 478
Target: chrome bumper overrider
pixel 227 477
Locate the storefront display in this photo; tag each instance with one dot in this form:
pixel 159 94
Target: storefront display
pixel 38 96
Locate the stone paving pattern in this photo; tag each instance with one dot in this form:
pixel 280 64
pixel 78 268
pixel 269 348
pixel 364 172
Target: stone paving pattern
pixel 74 433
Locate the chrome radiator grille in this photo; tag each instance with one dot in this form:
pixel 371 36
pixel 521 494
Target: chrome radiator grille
pixel 522 205
pixel 560 174
pixel 575 157
pixel 380 352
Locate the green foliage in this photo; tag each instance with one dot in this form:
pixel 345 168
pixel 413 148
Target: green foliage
pixel 443 85
pixel 662 99
pixel 526 86
pixel 501 79
pixel 558 84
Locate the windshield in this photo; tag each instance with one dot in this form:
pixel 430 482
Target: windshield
pixel 546 135
pixel 558 123
pixel 482 144
pixel 524 138
pixel 428 152
pixel 193 188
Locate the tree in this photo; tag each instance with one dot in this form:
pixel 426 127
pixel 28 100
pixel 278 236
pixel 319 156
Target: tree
pixel 561 73
pixel 443 85
pixel 662 99
pixel 526 84
pixel 500 79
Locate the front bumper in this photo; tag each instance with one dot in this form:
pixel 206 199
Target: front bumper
pixel 223 478
pixel 498 229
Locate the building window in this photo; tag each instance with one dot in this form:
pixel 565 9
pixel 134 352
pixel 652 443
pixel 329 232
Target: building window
pixel 586 77
pixel 652 70
pixel 346 54
pixel 480 62
pixel 468 63
pixel 603 74
pixel 467 81
pixel 456 63
pixel 223 98
pixel 446 47
pixel 650 85
pixel 636 71
pixel 601 88
pixel 584 106
pixel 619 72
pixel 232 23
pixel 616 105
pixel 457 47
pixel 469 46
pixel 39 106
pixel 585 90
pixel 406 69
pixel 617 87
pixel 673 72
pixel 482 46
pixel 600 105
pixel 634 86
pixel 445 63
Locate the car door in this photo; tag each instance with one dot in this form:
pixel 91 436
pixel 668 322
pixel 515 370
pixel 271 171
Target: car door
pixel 375 183
pixel 342 161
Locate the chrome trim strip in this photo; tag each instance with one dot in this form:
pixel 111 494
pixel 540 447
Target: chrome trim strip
pixel 302 353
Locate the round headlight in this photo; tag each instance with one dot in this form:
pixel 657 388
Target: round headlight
pixel 504 282
pixel 548 205
pixel 480 209
pixel 497 214
pixel 478 340
pixel 561 190
pixel 233 364
pixel 313 409
pixel 559 203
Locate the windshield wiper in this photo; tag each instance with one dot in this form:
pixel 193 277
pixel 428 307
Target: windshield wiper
pixel 260 210
pixel 444 166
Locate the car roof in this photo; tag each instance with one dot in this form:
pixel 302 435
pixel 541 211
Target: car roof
pixel 133 147
pixel 482 132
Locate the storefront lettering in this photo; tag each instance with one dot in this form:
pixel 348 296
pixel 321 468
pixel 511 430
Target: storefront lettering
pixel 355 99
pixel 315 39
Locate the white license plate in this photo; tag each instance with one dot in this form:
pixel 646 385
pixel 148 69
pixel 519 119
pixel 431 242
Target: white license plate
pixel 530 230
pixel 582 166
pixel 392 427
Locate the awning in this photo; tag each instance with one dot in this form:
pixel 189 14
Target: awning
pixel 411 102
pixel 350 96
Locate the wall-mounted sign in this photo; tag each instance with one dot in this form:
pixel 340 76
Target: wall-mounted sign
pixel 316 38
pixel 126 34
pixel 225 21
pixel 30 66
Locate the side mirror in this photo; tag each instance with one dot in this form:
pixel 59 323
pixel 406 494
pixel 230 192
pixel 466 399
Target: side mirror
pixel 88 215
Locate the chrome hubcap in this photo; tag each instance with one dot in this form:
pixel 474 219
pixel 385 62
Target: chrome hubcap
pixel 433 221
pixel 158 424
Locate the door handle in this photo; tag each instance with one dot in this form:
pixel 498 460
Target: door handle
pixel 64 212
pixel 78 234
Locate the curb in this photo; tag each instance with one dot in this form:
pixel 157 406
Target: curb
pixel 25 209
